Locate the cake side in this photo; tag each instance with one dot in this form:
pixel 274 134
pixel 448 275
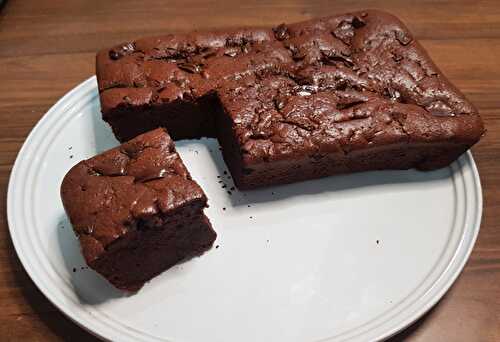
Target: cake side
pixel 365 97
pixel 136 210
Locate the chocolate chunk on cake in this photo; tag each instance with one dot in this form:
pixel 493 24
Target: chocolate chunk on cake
pixel 339 94
pixel 136 210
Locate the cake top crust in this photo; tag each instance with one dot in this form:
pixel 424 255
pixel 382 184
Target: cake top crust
pixel 108 195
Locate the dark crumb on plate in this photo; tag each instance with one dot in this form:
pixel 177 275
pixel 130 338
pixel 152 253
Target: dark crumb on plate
pixel 251 217
pixel 217 246
pixel 225 172
pixel 74 269
pixel 378 242
pixel 70 148
pixel 249 205
pixel 272 193
pixel 71 157
pixel 218 176
pixel 229 192
pixel 232 188
pixel 224 186
pixel 224 208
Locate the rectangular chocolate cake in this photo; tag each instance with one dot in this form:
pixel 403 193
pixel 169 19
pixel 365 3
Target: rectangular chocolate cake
pixel 339 94
pixel 136 210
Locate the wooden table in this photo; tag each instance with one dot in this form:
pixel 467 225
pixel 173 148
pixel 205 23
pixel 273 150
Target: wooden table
pixel 48 46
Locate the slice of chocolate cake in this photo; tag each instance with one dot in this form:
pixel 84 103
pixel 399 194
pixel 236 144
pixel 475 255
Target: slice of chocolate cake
pixel 136 210
pixel 339 94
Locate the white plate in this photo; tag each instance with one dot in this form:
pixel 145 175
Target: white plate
pixel 354 257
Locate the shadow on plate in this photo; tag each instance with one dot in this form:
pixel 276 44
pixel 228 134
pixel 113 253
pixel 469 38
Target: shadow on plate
pixel 103 135
pixel 88 285
pixel 336 183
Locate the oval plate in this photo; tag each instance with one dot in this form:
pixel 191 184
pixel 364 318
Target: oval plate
pixel 353 257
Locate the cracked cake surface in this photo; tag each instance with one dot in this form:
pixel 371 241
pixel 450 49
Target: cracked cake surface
pixel 337 94
pixel 136 210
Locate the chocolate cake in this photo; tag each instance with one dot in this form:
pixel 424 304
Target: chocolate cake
pixel 339 94
pixel 136 210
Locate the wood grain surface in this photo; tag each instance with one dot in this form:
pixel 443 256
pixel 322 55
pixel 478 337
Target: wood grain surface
pixel 48 46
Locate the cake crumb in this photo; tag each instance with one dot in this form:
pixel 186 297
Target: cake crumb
pixel 229 192
pixel 224 208
pixel 225 172
pixel 251 217
pixel 217 246
pixel 74 269
pixel 218 176
pixel 71 157
pixel 70 148
pixel 232 188
pixel 378 242
pixel 249 205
